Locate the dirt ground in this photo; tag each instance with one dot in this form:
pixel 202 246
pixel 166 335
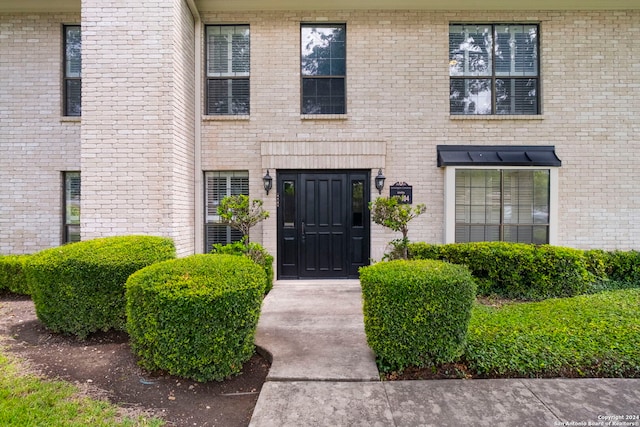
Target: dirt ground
pixel 104 366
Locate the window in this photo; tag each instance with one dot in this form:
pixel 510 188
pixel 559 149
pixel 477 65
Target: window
pixel 494 69
pixel 502 205
pixel 71 207
pixel 323 67
pixel 72 65
pixel 228 64
pixel 217 186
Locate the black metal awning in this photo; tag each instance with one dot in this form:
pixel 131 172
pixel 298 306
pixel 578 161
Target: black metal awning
pixel 497 155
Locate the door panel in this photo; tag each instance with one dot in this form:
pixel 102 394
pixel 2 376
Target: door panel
pixel 323 224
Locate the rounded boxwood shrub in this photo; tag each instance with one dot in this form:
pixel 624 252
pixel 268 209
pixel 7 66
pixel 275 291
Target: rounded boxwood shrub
pixel 195 317
pixel 254 251
pixel 79 288
pixel 12 277
pixel 416 313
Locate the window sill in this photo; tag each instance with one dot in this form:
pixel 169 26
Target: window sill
pixel 496 117
pixel 229 118
pixel 324 117
pixel 70 119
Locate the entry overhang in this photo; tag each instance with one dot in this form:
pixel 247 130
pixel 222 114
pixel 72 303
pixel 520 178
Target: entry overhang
pixel 497 155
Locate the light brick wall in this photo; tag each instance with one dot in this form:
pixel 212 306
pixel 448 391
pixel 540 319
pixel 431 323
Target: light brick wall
pixel 398 94
pixel 36 143
pixel 137 132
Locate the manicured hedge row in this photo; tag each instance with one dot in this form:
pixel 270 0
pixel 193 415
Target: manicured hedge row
pixel 79 288
pixel 513 270
pixel 12 277
pixel 615 269
pixel 195 317
pixel 416 313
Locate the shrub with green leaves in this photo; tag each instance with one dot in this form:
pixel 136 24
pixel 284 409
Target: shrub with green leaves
pixel 416 313
pixel 623 266
pixel 515 270
pixel 195 317
pixel 12 277
pixel 588 335
pixel 254 251
pixel 79 288
pixel 241 213
pixel 395 215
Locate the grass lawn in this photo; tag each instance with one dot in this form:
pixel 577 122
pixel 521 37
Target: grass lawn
pixel 26 400
pixel 585 336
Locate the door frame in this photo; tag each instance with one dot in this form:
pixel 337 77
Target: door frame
pixel 357 228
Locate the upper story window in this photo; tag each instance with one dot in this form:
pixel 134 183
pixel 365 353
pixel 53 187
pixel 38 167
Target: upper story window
pixel 228 66
pixel 323 67
pixel 72 64
pixel 494 69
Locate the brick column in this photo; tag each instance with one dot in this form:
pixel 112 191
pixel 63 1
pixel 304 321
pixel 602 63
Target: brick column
pixel 138 120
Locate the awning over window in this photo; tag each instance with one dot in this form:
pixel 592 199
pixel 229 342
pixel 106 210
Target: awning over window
pixel 497 155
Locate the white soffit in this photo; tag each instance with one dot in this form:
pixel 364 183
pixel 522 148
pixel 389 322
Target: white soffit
pixel 9 6
pixel 241 5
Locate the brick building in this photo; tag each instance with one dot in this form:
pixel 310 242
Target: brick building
pixel 516 122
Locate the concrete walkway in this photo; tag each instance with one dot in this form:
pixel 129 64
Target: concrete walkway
pixel 323 374
pixel 314 330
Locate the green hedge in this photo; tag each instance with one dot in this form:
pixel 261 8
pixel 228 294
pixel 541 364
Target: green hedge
pixel 588 335
pixel 256 252
pixel 79 288
pixel 416 313
pixel 614 269
pixel 514 270
pixel 12 277
pixel 195 317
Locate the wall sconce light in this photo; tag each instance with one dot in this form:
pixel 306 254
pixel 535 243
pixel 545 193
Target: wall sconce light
pixel 379 181
pixel 268 182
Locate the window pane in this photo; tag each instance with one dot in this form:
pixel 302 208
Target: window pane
pixel 323 96
pixel 72 234
pixel 228 96
pixel 516 96
pixel 470 50
pixel 357 203
pixel 516 50
pixel 240 50
pixel 72 198
pixel 470 96
pixel 323 51
pixel 219 233
pixel 541 197
pixel 515 199
pixel 526 197
pixel 73 57
pixel 73 97
pixel 71 226
pixel 289 202
pixel 228 50
pixel 217 186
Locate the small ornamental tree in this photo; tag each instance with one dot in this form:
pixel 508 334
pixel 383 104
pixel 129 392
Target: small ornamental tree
pixel 390 213
pixel 238 213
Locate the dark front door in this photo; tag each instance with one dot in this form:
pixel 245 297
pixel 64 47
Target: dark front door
pixel 323 223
